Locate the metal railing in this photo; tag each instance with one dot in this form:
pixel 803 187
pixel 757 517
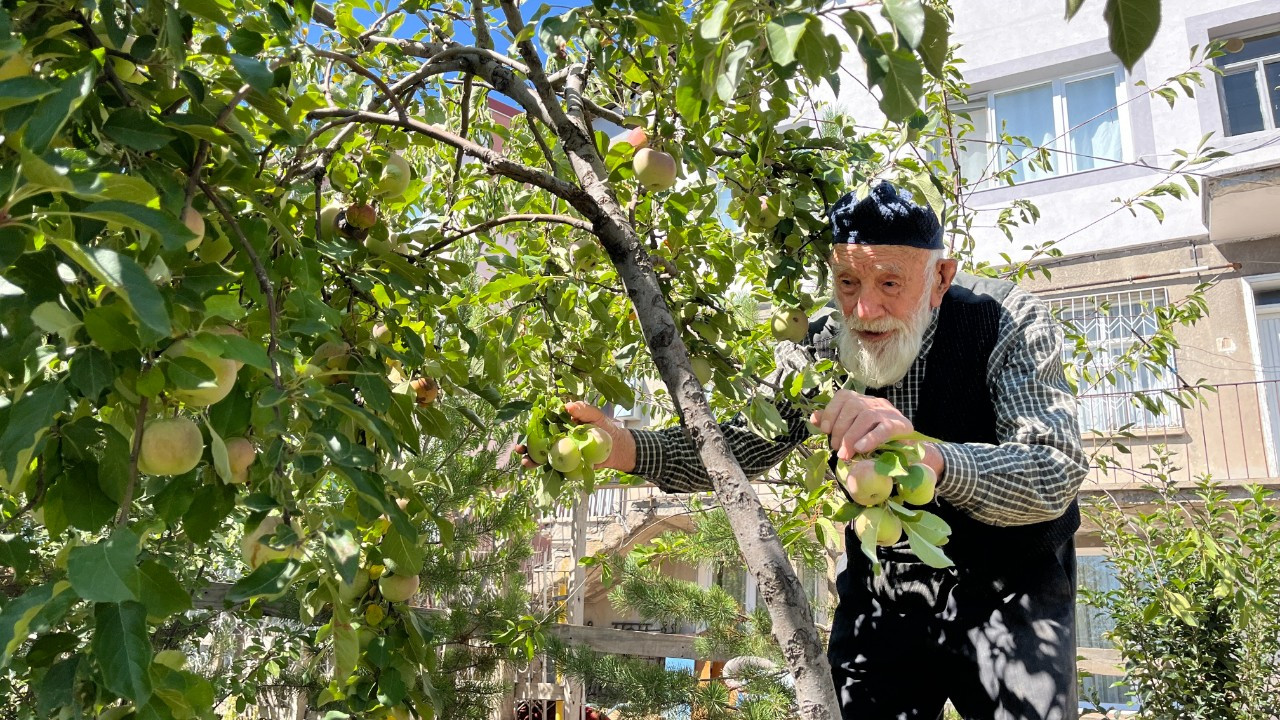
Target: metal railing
pixel 1233 435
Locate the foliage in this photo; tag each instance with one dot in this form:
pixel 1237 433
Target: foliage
pixel 1199 588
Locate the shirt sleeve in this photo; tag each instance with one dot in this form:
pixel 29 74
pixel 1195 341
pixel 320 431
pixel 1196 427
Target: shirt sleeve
pixel 669 459
pixel 1035 471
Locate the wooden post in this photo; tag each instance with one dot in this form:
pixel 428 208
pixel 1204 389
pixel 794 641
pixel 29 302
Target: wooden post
pixel 574 692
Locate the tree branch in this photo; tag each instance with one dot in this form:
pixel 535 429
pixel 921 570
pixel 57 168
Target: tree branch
pixel 126 500
pixel 481 26
pixel 363 72
pixel 506 219
pixel 496 162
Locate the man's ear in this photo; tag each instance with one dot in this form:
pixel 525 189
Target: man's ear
pixel 944 273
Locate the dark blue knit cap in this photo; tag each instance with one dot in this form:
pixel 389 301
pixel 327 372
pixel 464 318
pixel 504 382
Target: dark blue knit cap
pixel 885 218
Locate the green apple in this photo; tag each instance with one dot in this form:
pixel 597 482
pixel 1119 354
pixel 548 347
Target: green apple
pixel 789 324
pixel 170 446
pixel 655 169
pixel 922 494
pixel 565 455
pixel 329 220
pixel 356 589
pixel 584 254
pixel 888 526
pixel 398 588
pixel 866 486
pixel 224 371
pixel 395 177
pixel 597 446
pixel 763 213
pixel 254 551
pixel 240 455
pixel 537 448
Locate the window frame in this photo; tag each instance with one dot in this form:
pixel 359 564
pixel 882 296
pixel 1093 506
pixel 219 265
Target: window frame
pixel 1127 416
pixel 1257 64
pixel 1064 159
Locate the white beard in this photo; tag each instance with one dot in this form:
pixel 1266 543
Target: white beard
pixel 884 363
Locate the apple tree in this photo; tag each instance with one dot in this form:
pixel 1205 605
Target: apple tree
pixel 262 265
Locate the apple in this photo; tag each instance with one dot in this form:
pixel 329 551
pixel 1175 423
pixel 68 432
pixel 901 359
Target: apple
pixel 361 216
pixel 379 246
pixel 254 551
pixel 597 446
pixel 170 446
pixel 240 455
pixel 357 588
pixel 381 333
pixel 224 371
pixel 537 448
pixel 18 65
pixel 636 137
pixel 789 324
pixel 890 527
pixel 398 588
pixel 584 254
pixel 655 169
pixel 395 177
pixel 763 213
pixel 702 370
pixel 426 389
pixel 565 455
pixel 923 493
pixel 194 223
pixel 329 220
pixel 866 486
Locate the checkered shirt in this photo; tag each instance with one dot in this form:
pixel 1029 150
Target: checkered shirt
pixel 1031 476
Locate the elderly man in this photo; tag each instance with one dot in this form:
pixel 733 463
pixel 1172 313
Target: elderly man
pixel 977 364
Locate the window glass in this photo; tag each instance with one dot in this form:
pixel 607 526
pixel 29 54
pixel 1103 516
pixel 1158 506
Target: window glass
pixel 1026 114
pixel 1240 98
pixel 1094 122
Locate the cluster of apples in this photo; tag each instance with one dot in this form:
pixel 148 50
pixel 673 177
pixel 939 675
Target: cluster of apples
pixel 567 450
pixel 877 486
pixel 356 219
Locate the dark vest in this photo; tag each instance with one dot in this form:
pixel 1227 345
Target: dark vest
pixel 955 405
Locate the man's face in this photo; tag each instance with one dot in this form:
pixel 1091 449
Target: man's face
pixel 886 293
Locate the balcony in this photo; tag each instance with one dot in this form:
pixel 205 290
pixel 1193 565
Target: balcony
pixel 1234 437
pixel 1243 204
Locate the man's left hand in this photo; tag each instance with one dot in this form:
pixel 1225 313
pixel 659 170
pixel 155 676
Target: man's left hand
pixel 860 423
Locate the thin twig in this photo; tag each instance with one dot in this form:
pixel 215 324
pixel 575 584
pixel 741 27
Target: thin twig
pixel 126 500
pixel 542 143
pixel 489 224
pixel 364 72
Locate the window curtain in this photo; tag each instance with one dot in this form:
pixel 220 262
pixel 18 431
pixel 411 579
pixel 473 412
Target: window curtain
pixel 1094 122
pixel 1026 113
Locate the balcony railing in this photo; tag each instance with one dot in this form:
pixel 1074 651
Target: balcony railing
pixel 1233 435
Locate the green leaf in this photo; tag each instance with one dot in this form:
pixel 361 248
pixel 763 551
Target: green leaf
pixel 136 129
pixel 890 463
pixel 735 64
pixel 345 551
pixel 711 26
pixel 161 592
pixel 25 424
pixel 170 230
pixel 16 553
pixel 54 110
pixel 1073 7
pixel 613 389
pixel 928 553
pixel 783 35
pixel 124 277
pixel 23 90
pixel 91 371
pixel 189 373
pixel 207 9
pixel 218 449
pixel 53 318
pixel 1133 25
pixel 402 551
pixel 18 614
pixel 933 47
pixel 239 348
pixel 346 651
pixel 123 649
pixel 764 419
pixel 270 580
pixel 255 72
pixel 897 74
pixel 186 694
pixel 107 572
pixel 908 19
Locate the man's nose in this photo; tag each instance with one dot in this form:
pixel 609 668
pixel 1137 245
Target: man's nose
pixel 869 307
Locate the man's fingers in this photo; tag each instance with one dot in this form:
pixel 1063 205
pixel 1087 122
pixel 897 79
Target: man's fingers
pixel 851 442
pixel 585 413
pixel 840 427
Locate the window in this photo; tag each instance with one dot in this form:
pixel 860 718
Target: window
pixel 1251 86
pixel 1110 324
pixel 1076 119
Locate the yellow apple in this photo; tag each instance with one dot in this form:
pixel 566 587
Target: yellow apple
pixel 655 169
pixel 923 493
pixel 425 390
pixel 866 486
pixel 240 455
pixel 565 455
pixel 224 371
pixel 255 551
pixel 170 446
pixel 329 220
pixel 395 177
pixel 889 530
pixel 597 446
pixel 398 588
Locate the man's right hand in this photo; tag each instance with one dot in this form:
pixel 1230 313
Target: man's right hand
pixel 623 455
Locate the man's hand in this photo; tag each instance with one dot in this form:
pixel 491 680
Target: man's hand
pixel 860 423
pixel 623 455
